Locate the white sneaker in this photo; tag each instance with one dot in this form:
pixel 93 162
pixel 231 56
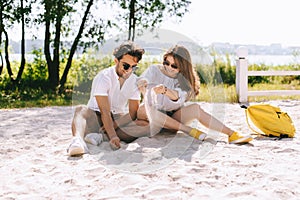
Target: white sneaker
pixel 94 138
pixel 77 147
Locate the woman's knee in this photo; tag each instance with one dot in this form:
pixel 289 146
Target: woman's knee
pixel 196 107
pixel 197 110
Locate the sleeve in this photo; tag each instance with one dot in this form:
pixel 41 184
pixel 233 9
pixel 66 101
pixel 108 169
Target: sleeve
pixel 136 95
pixel 148 74
pixel 102 84
pixel 169 105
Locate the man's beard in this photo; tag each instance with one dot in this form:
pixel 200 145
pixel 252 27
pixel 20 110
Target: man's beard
pixel 124 75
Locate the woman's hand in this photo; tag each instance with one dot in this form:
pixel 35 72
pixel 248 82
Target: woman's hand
pixel 142 85
pixel 160 89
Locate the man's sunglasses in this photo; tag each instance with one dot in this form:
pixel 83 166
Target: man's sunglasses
pixel 126 67
pixel 168 64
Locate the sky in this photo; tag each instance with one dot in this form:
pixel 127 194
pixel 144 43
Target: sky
pixel 260 22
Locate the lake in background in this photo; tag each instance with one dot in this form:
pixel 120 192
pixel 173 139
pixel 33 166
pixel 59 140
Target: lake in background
pixel 271 60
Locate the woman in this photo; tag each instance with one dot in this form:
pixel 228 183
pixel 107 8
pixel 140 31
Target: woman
pixel 169 86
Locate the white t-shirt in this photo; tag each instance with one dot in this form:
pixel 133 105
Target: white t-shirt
pixel 106 83
pixel 154 76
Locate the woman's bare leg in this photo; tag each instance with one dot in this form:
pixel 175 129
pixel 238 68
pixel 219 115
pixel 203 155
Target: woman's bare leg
pixel 163 120
pixel 194 111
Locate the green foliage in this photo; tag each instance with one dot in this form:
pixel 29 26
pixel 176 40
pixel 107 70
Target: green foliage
pixel 252 80
pixel 218 81
pixel 84 69
pixel 218 72
pixel 223 72
pixel 143 15
pixel 36 70
pixel 33 88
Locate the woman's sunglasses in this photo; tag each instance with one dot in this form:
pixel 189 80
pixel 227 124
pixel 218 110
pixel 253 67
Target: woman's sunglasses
pixel 126 67
pixel 168 64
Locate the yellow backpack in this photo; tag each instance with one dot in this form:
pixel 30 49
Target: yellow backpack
pixel 270 120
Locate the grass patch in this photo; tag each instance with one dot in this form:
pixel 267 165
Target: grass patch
pixel 260 87
pixel 227 93
pixel 221 93
pixel 37 99
pixel 217 93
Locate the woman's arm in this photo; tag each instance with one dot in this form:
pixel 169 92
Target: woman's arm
pixel 161 89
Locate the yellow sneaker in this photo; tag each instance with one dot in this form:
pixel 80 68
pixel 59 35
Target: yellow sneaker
pixel 236 138
pixel 197 134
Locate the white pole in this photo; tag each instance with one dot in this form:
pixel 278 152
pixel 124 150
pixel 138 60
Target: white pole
pixel 242 74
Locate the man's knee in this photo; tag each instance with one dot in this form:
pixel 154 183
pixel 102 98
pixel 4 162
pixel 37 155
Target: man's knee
pixel 83 111
pixel 81 108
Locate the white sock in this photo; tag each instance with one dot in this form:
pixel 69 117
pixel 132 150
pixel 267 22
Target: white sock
pixel 94 138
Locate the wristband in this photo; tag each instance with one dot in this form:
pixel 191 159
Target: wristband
pixel 166 89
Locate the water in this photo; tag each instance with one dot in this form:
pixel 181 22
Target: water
pixel 271 60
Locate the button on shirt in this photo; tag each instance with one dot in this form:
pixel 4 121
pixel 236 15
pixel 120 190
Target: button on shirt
pixel 106 83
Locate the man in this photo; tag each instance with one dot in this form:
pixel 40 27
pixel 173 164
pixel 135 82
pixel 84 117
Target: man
pixel 113 89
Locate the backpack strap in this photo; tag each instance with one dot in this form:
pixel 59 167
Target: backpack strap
pixel 246 112
pixel 256 132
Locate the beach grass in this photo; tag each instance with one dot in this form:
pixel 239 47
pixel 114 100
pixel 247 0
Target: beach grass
pixel 218 83
pixel 223 93
pixel 220 93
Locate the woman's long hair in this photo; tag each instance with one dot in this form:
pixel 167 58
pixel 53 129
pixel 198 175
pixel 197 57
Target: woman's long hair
pixel 188 78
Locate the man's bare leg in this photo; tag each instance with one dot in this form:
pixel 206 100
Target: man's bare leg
pixel 84 121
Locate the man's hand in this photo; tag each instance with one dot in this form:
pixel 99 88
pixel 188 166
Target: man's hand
pixel 115 143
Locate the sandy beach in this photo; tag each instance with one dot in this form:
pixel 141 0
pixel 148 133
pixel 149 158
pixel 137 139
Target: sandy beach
pixel 35 164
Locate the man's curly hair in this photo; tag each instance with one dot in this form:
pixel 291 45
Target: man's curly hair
pixel 129 48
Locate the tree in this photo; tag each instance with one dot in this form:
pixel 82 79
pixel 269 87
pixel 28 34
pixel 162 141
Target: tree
pixel 145 14
pixel 21 13
pixel 11 12
pixel 55 11
pixel 5 16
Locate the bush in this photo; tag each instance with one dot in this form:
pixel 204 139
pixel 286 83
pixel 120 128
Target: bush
pixel 33 88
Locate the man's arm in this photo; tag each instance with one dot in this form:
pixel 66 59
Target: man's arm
pixel 107 120
pixel 133 108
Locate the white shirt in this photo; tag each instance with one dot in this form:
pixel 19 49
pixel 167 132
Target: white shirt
pixel 154 76
pixel 106 83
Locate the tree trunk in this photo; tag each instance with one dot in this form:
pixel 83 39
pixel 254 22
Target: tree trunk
pixel 133 28
pixel 10 73
pixel 1 30
pixel 22 45
pixel 47 42
pixel 131 20
pixel 53 65
pixel 74 46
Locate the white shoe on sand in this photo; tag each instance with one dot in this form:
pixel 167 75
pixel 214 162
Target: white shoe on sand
pixel 94 138
pixel 77 147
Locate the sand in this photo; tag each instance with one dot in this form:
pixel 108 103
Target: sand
pixel 35 164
